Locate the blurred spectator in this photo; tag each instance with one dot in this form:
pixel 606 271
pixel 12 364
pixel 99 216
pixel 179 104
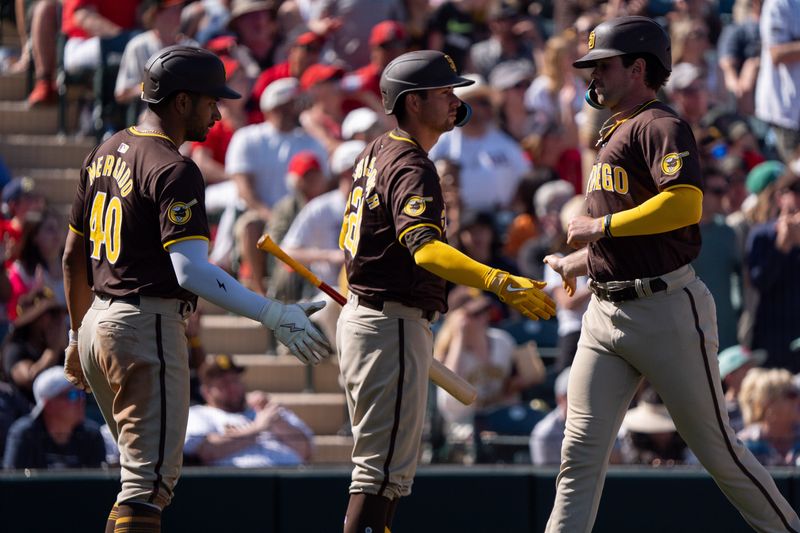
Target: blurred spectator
pixel 449 178
pixel 55 435
pixel 387 40
pixel 44 31
pixel 769 402
pixel 245 430
pixel 85 22
pixel 548 149
pixel 161 19
pixel 479 239
pixel 13 405
pixel 258 159
pixel 313 238
pixel 307 181
pixel 19 199
pixel 773 256
pixel 691 44
pixel 734 364
pixel 303 53
pixel 454 27
pixel 488 358
pixel 778 83
pixel 556 95
pixel 510 79
pixel 492 163
pixel 506 43
pixel 39 262
pixel 37 340
pixel 418 16
pixel 649 436
pixel 254 23
pixel 569 307
pixel 719 263
pixel 323 119
pixel 688 93
pixel 546 437
pixel 362 124
pixel 525 225
pixel 739 51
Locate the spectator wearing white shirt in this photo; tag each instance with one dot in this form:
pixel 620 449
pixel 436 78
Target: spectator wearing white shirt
pixel 546 437
pixel 491 162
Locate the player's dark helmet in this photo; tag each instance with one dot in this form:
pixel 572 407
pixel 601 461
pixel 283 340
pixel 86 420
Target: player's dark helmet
pixel 417 71
pixel 627 35
pixel 184 68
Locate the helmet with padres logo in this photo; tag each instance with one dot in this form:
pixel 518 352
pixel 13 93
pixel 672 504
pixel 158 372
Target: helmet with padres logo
pixel 628 35
pixel 418 71
pixel 184 68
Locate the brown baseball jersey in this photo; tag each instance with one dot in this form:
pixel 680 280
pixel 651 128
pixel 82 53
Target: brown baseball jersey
pixel 137 195
pixel 394 205
pixel 648 153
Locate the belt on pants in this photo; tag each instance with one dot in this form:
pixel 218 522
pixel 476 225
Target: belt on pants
pixel 184 307
pixel 627 290
pixel 377 305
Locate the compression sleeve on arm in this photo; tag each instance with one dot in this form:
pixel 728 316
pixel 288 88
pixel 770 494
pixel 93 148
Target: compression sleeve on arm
pixel 194 272
pixel 448 263
pixel 669 210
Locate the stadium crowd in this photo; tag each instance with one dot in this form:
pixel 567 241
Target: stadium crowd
pixel 279 161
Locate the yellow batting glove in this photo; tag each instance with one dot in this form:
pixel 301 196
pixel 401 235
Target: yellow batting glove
pixel 523 294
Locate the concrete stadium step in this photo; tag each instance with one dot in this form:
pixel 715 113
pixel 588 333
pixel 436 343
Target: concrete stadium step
pixel 284 373
pixel 58 185
pixel 18 118
pixel 13 87
pixel 331 449
pixel 44 151
pixel 233 334
pixel 325 413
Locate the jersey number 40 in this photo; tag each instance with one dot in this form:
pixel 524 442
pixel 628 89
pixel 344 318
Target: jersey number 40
pixel 105 227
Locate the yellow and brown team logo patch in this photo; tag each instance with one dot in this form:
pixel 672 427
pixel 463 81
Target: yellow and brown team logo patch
pixel 672 163
pixel 451 62
pixel 415 205
pixel 180 213
pixel 591 40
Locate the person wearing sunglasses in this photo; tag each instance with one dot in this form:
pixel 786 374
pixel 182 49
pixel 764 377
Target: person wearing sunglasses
pixel 56 434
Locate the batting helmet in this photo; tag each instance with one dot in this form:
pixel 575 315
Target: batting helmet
pixel 627 35
pixel 184 68
pixel 418 71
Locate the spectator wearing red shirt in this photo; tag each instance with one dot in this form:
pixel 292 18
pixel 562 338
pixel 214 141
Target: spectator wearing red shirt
pixel 255 25
pixel 388 40
pixel 19 199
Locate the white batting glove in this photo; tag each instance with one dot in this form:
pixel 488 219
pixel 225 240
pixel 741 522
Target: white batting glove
pixel 293 328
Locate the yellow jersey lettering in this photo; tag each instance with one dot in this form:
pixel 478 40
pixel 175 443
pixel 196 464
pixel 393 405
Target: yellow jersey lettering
pixel 108 166
pixel 620 180
pixel 606 177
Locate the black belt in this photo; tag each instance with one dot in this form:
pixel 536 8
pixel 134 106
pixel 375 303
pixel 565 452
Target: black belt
pixel 377 305
pixel 624 294
pixel 134 299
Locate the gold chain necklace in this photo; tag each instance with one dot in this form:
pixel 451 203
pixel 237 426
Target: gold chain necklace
pixel 607 129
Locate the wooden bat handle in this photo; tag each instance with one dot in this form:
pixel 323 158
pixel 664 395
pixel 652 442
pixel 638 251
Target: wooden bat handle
pixel 455 385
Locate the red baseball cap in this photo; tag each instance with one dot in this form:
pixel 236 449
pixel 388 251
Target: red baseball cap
pixel 304 162
pixel 387 31
pixel 319 73
pixel 309 38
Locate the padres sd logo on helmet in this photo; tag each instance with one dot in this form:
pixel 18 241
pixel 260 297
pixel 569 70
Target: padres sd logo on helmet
pixel 672 162
pixel 180 213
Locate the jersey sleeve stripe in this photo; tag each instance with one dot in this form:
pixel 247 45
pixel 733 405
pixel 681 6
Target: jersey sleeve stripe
pixel 190 238
pixel 695 187
pixel 415 226
pixel 406 139
pixel 75 231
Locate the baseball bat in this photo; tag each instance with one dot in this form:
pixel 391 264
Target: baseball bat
pixel 455 385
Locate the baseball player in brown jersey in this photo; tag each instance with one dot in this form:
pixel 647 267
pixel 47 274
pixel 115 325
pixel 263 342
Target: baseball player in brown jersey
pixel 138 240
pixel 397 262
pixel 650 316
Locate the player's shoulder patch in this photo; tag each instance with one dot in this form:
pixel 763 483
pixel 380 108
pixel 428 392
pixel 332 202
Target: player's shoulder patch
pixel 416 205
pixel 180 213
pixel 672 162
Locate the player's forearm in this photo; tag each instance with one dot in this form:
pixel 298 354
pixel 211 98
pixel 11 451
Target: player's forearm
pixel 668 210
pixel 76 280
pixel 217 446
pixel 450 264
pixel 292 437
pixel 95 24
pixel 244 184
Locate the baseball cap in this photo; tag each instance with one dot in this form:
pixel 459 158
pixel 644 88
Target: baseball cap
pixel 388 31
pixel 683 75
pixel 648 417
pixel 279 92
pixel 48 384
pixel 734 357
pixel 309 38
pixel 303 162
pixel 16 188
pixel 243 7
pixel 319 73
pixel 358 121
pixel 218 365
pixel 34 304
pixel 510 73
pixel 477 88
pixel 763 174
pixel 551 196
pixel 344 156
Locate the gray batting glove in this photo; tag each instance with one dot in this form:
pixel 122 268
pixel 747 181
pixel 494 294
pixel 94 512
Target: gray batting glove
pixel 292 327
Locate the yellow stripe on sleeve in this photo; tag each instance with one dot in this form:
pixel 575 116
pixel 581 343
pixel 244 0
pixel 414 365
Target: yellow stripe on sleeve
pixel 190 238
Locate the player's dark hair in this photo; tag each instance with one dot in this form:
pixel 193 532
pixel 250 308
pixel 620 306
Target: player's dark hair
pixel 400 105
pixel 655 75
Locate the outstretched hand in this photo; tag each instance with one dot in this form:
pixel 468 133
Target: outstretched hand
pixel 523 294
pixel 292 327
